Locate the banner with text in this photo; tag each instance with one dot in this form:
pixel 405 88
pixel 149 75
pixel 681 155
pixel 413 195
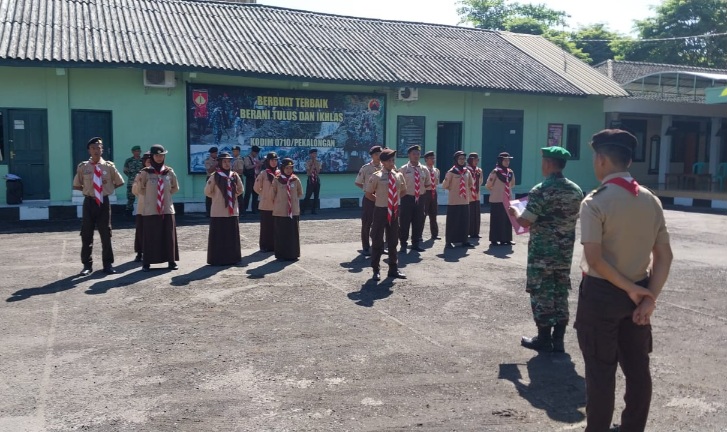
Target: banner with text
pixel 341 126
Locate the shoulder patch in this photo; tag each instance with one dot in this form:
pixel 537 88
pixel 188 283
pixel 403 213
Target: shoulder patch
pixel 597 190
pixel 82 164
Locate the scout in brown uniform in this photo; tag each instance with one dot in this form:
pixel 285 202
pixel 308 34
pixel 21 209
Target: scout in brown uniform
pixel 313 186
pixel 139 222
pixel 224 186
pixel 286 212
pixel 626 261
pixel 411 213
pixel 250 169
pixel 367 204
pixel 158 183
pixel 431 207
pixel 458 181
pixel 500 183
pixel 474 197
pixel 97 179
pixel 264 185
pixel 210 165
pixel 237 166
pixel 385 188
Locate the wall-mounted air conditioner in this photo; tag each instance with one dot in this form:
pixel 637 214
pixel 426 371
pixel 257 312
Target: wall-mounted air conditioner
pixel 159 78
pixel 408 94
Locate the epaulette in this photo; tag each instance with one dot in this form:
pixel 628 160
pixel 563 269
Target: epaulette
pixel 108 162
pixel 82 164
pixel 597 190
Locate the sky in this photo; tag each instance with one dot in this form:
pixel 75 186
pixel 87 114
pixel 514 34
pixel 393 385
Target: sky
pixel 618 15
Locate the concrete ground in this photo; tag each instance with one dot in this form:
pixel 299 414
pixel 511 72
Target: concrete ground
pixel 316 346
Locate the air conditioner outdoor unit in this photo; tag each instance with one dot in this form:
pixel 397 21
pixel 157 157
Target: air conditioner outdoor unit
pixel 408 94
pixel 159 78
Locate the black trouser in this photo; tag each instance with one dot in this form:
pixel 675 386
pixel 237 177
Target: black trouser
pixel 379 226
pixel 249 192
pixel 475 218
pixel 431 209
pixel 412 214
pixel 312 189
pixel 96 217
pixel 367 217
pixel 207 201
pixel 608 338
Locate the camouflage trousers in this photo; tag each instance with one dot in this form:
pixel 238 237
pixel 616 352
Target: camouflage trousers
pixel 130 198
pixel 548 290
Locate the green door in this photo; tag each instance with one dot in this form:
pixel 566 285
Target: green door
pixel 449 140
pixel 28 151
pixel 502 131
pixel 86 124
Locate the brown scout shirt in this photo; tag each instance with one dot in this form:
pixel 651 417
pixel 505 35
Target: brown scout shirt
pixel 626 226
pixel 378 185
pixel 497 187
pixel 309 165
pixel 451 183
pixel 148 188
pixel 210 165
pixel 264 187
pixel 365 172
pixel 219 208
pixel 425 182
pixel 477 184
pixel 436 177
pixel 83 180
pixel 237 165
pixel 280 197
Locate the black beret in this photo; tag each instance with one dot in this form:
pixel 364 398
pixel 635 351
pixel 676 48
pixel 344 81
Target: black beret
pixel 94 140
pixel 236 148
pixel 375 149
pixel 429 154
pixel 413 148
pixel 213 149
pixel 614 137
pixel 255 149
pixel 387 154
pixel 312 151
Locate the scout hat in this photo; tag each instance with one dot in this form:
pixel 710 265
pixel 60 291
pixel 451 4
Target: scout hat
pixel 555 152
pixel 236 148
pixel 94 140
pixel 157 149
pixel 255 149
pixel 375 149
pixel 473 156
pixel 224 155
pixel 413 148
pixel 458 153
pixel 616 138
pixel 213 149
pixel 286 162
pixel 146 156
pixel 387 154
pixel 312 151
pixel 135 148
pixel 271 155
pixel 505 155
pixel 429 154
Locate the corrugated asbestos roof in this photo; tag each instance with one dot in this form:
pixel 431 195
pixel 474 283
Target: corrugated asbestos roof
pixel 625 72
pixel 270 42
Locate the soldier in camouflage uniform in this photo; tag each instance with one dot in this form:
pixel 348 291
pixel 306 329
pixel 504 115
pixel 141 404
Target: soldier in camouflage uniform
pixel 132 166
pixel 551 213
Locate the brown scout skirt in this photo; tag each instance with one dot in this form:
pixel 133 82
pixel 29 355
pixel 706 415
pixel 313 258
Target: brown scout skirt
pixel 267 231
pixel 287 238
pixel 457 224
pixel 223 241
pixel 160 239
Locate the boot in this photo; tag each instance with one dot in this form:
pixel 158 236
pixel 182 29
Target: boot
pixel 316 206
pixel 542 342
pixel 558 336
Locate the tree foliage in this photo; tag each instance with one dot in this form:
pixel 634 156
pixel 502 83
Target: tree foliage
pixel 595 41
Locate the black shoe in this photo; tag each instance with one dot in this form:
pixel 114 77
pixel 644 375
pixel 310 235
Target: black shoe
pixel 467 245
pixel 537 344
pixel 145 268
pixel 376 276
pixel 87 269
pixel 494 244
pixel 403 247
pixel 615 428
pixel 366 252
pixel 386 251
pixel 449 246
pixel 436 238
pixel 109 270
pixel 475 236
pixel 396 275
pixel 138 258
pixel 172 266
pixel 417 248
pixel 508 243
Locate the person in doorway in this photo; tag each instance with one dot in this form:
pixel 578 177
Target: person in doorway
pixel 500 183
pixel 458 181
pixel 385 188
pixel 96 178
pixel 313 186
pixel 551 214
pixel 210 166
pixel 223 187
pixel 626 262
pixel 251 168
pixel 431 206
pixel 132 166
pixel 475 207
pixel 139 221
pixel 286 212
pixel 158 183
pixel 367 204
pixel 416 177
pixel 264 185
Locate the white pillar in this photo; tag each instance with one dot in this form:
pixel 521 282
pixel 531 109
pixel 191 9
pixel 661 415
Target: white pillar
pixel 664 149
pixel 714 145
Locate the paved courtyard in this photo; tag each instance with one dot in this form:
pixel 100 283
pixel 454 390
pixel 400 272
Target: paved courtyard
pixel 316 346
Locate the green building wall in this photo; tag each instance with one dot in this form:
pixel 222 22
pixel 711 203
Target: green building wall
pixel 145 116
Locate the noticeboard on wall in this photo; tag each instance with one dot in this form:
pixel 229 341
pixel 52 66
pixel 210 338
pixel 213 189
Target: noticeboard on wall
pixel 409 132
pixel 341 126
pixel 555 134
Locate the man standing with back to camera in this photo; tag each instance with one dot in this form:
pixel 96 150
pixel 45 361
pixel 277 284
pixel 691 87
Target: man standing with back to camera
pixel 626 262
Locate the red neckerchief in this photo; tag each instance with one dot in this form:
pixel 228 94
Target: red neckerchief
pixel 631 186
